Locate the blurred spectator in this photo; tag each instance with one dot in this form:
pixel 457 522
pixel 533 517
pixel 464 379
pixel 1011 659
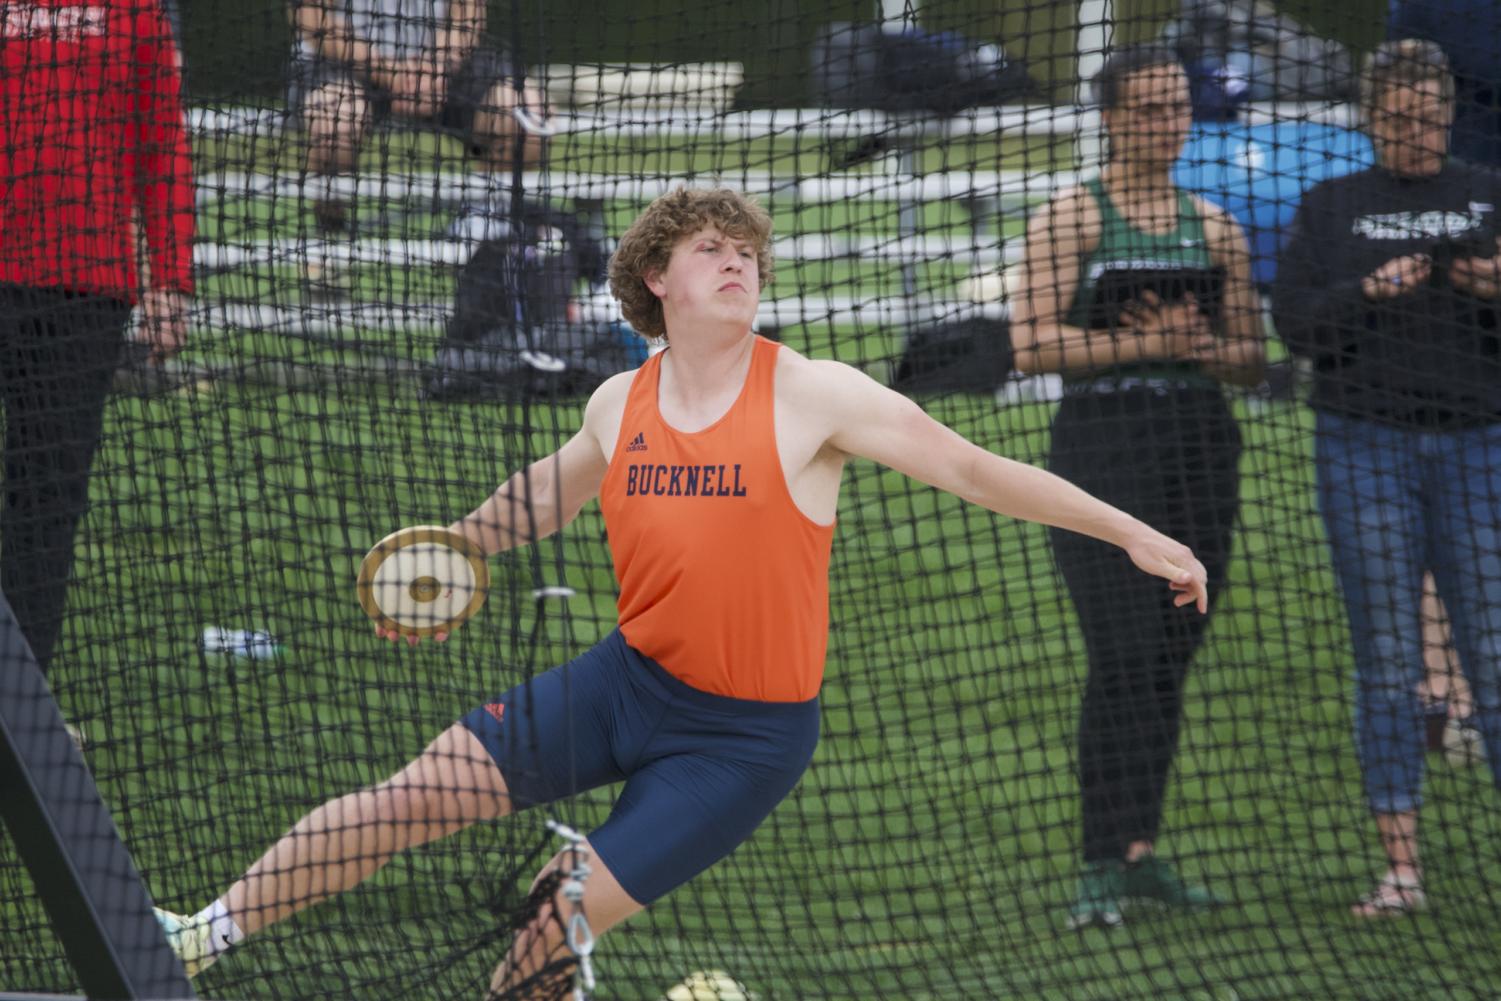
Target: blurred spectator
pixel 1143 425
pixel 1469 32
pixel 1255 50
pixel 173 13
pixel 1389 285
pixel 425 61
pixel 89 101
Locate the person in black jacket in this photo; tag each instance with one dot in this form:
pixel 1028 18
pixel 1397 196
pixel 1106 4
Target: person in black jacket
pixel 1389 285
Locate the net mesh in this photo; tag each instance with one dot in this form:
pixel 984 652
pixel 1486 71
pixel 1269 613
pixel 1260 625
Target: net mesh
pixel 398 300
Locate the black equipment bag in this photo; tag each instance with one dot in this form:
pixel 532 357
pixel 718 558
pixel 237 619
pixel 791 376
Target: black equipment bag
pixel 510 335
pixel 888 68
pixel 972 356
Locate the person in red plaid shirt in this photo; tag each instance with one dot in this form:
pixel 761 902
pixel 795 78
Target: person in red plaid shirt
pixel 93 151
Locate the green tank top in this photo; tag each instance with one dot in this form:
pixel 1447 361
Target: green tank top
pixel 1122 244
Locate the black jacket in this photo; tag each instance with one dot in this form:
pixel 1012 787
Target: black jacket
pixel 1431 358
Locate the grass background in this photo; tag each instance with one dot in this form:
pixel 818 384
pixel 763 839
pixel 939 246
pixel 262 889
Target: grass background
pixel 931 849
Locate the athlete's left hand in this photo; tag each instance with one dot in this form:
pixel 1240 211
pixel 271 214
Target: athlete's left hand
pixel 1171 560
pixel 394 636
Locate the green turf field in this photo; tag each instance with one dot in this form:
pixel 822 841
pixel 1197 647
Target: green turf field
pixel 929 852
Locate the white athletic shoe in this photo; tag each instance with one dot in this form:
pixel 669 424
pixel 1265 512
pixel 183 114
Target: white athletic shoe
pixel 189 941
pixel 1463 744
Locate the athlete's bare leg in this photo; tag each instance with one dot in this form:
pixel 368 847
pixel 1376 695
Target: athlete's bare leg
pixel 451 785
pixel 543 940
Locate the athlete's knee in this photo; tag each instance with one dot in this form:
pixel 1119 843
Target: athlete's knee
pixel 452 785
pixel 398 804
pixel 567 908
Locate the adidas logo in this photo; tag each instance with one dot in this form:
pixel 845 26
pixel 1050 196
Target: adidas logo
pixel 638 443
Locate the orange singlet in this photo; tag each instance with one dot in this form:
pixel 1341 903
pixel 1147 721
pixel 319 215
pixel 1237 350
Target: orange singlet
pixel 723 580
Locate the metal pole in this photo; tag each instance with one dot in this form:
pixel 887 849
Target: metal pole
pixel 908 161
pixel 1094 34
pixel 65 836
pixel 899 10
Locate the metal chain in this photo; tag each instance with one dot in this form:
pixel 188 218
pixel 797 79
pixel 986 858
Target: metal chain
pixel 580 937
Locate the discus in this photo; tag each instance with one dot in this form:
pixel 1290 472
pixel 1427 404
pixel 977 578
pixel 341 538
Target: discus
pixel 423 580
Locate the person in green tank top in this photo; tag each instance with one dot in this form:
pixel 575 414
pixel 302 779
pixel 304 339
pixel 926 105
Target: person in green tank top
pixel 1133 214
pixel 1145 424
pixel 1125 248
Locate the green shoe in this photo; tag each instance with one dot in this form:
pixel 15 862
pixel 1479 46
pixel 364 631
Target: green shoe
pixel 1151 878
pixel 1098 902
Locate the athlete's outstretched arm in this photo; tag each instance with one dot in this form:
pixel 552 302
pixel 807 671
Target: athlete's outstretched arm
pixel 869 420
pixel 540 499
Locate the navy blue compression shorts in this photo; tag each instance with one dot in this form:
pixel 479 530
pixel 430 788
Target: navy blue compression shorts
pixel 701 771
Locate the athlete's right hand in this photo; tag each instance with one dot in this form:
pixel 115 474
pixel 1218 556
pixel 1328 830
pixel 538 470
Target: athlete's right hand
pixel 1171 560
pixel 393 636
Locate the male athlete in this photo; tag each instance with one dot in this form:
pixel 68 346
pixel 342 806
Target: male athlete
pixel 724 451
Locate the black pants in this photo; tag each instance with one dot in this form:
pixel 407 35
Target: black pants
pixel 58 352
pixel 1169 457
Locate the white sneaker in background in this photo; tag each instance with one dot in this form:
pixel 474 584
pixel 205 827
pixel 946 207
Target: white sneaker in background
pixel 190 941
pixel 1463 746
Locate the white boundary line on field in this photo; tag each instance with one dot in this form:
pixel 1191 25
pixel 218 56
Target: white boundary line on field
pixel 332 319
pixel 820 124
pixel 453 253
pixel 955 185
pixel 332 323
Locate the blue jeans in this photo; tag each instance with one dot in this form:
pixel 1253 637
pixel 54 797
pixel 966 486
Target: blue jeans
pixel 1397 502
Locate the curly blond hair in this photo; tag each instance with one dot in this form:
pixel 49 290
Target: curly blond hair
pixel 647 245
